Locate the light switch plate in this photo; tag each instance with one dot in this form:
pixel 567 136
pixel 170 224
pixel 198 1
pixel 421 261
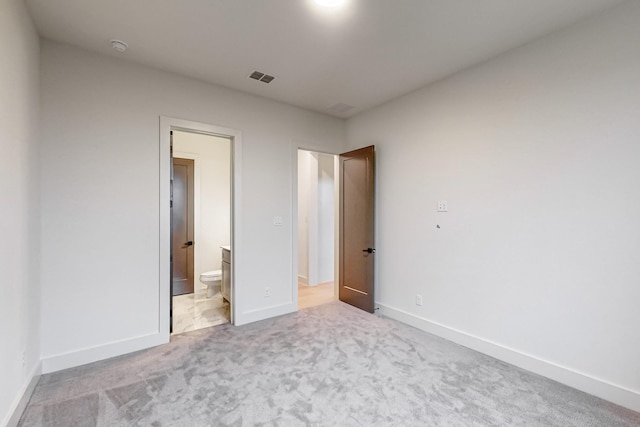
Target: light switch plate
pixel 277 221
pixel 443 206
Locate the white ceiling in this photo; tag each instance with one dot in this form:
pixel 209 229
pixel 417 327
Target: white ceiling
pixel 366 54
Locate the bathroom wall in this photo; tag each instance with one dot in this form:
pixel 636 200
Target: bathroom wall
pixel 20 225
pixel 537 154
pixel 212 216
pixel 316 206
pixel 95 108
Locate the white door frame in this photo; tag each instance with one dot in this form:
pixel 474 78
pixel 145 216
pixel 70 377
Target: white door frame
pixel 167 124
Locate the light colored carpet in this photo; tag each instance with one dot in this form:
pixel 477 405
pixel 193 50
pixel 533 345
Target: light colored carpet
pixel 330 365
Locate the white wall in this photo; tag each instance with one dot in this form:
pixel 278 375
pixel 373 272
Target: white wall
pixel 326 220
pixel 212 188
pixel 100 264
pixel 538 154
pixel 19 228
pixel 304 165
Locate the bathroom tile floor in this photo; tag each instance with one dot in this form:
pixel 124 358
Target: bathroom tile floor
pixel 196 311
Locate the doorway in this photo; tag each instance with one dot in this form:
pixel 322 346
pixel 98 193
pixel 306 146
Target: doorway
pixel 317 228
pixel 201 228
pixel 229 206
pixel 353 228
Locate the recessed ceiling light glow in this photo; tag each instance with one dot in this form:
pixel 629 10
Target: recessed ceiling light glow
pixel 330 3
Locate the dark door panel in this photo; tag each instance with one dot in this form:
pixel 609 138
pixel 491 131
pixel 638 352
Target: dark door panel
pixel 357 185
pixel 182 226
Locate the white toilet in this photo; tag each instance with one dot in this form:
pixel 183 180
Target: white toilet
pixel 213 281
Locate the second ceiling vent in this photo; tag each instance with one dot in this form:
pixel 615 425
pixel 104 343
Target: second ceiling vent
pixel 261 77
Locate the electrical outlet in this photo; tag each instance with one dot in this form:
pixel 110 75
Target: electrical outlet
pixel 267 292
pixel 443 206
pixel 277 221
pixel 419 300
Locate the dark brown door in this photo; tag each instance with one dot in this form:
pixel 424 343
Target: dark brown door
pixel 182 226
pixel 357 185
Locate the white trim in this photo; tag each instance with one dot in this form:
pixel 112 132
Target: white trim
pixel 294 228
pixel 166 125
pixel 302 279
pixel 268 312
pixel 19 405
pixel 86 355
pixel 336 227
pixel 579 380
pixel 312 220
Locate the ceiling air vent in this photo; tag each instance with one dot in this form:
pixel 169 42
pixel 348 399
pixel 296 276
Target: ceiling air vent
pixel 261 77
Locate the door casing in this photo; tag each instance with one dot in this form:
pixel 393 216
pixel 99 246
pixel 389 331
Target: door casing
pixel 167 124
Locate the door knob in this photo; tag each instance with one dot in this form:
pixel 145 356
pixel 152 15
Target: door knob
pixel 189 243
pixel 369 250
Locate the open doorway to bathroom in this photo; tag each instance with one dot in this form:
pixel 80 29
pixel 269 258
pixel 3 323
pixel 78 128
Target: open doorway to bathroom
pixel 200 230
pixel 317 227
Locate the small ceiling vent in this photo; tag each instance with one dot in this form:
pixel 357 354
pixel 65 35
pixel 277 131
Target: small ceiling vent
pixel 261 77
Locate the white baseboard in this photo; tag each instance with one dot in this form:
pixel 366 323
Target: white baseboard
pixel 18 407
pixel 93 354
pixel 303 280
pixel 579 380
pixel 265 313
